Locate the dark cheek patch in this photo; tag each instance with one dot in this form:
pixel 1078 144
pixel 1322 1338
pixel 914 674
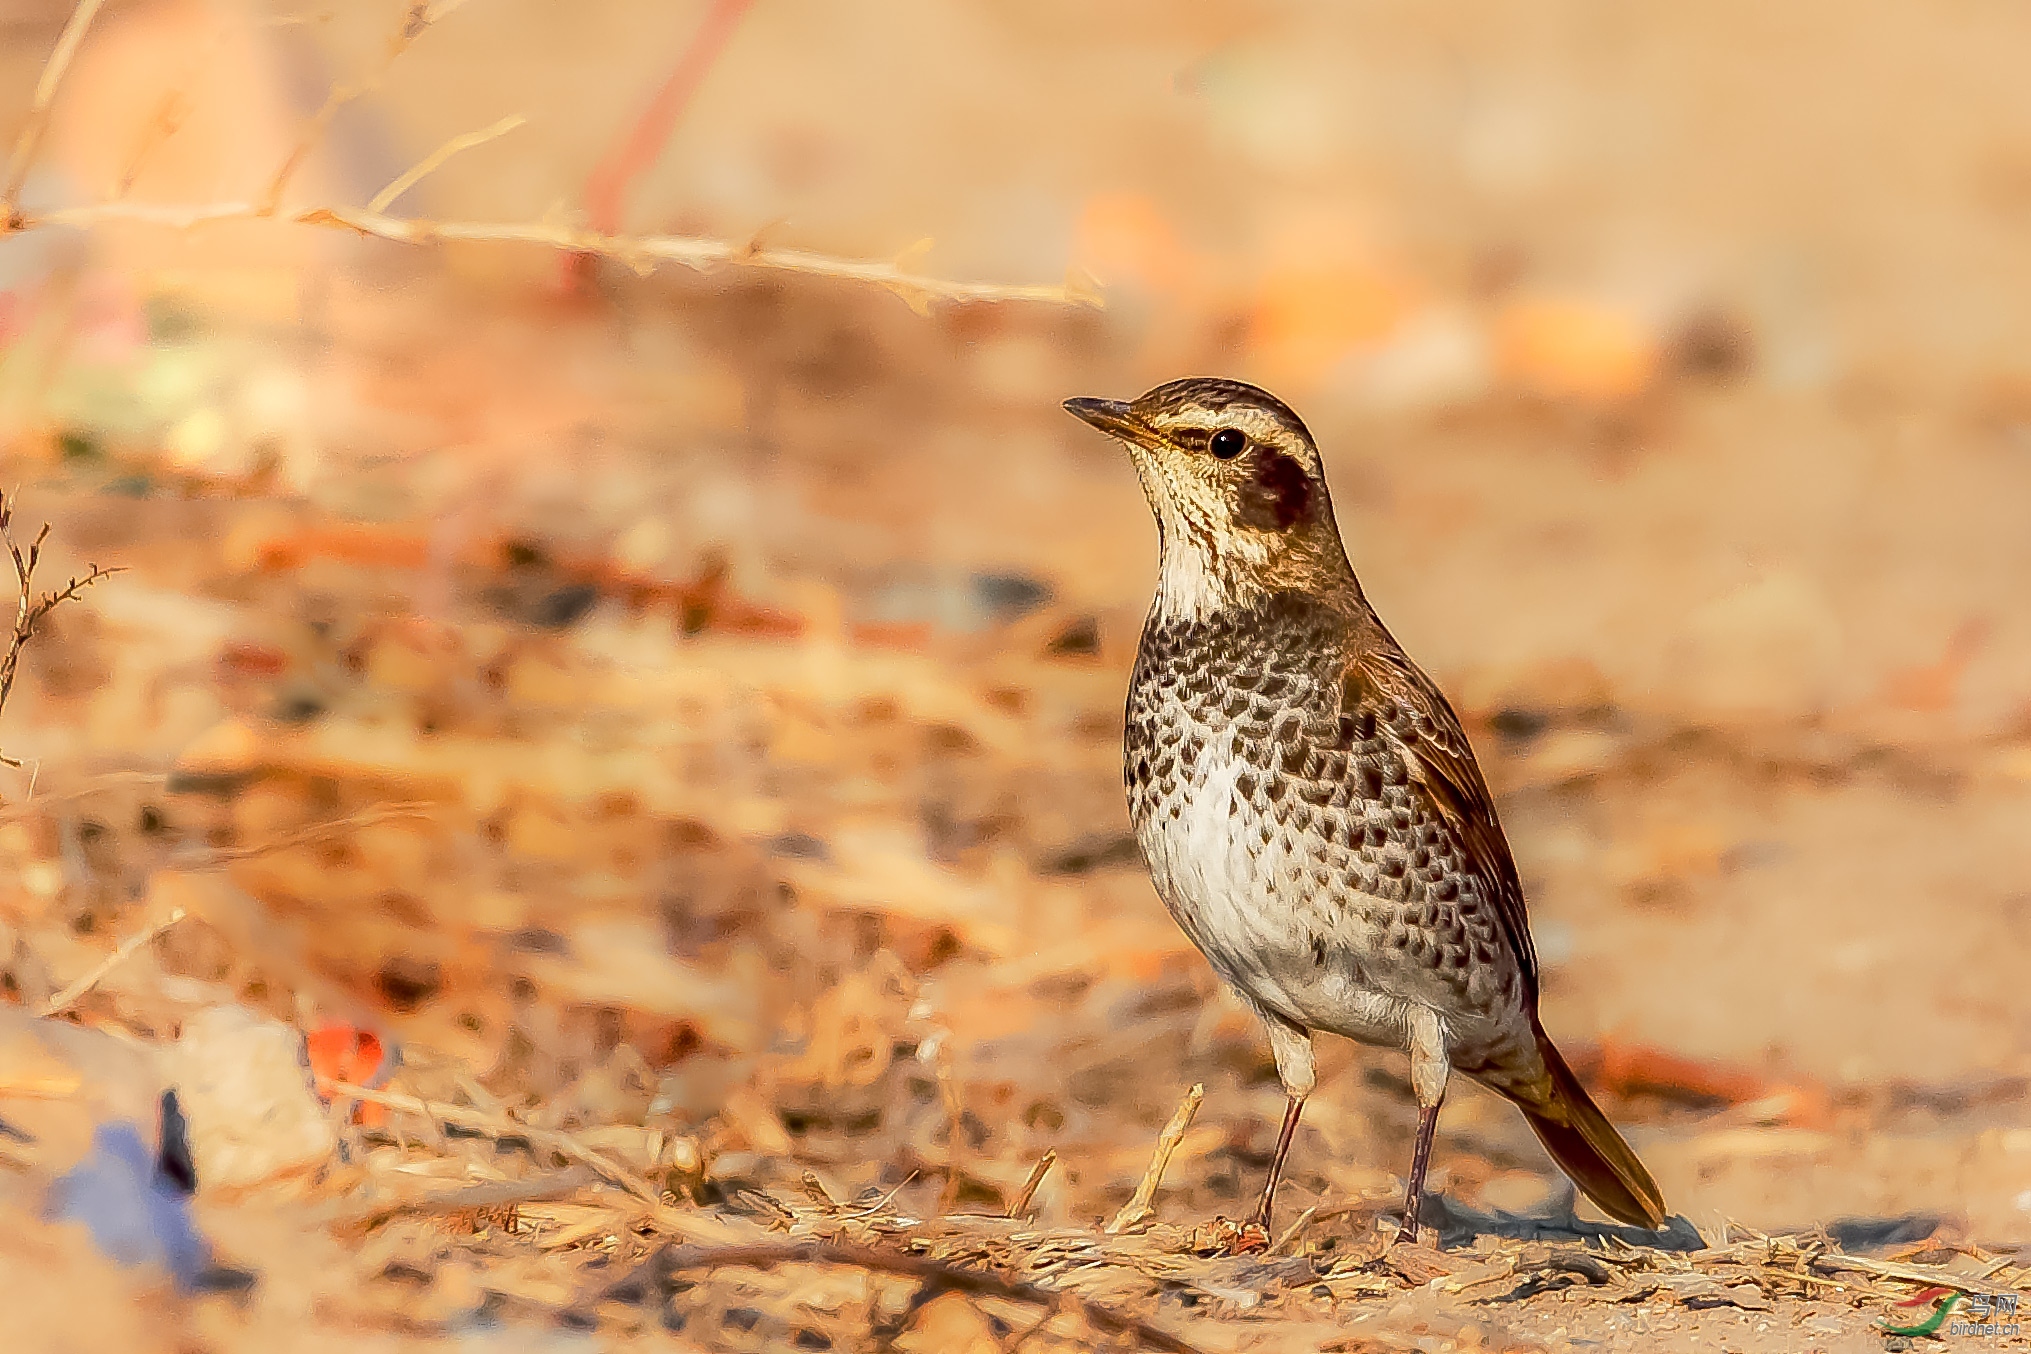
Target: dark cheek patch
pixel 1276 495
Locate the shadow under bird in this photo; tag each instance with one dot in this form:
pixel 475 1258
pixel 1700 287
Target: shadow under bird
pixel 1308 804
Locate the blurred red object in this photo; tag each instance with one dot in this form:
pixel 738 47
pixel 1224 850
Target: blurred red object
pixel 1641 1069
pixel 342 1053
pixel 607 186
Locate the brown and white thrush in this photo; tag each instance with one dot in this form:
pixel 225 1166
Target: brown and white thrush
pixel 1308 803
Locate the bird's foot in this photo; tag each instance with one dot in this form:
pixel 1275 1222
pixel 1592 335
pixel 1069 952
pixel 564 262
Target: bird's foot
pixel 1224 1237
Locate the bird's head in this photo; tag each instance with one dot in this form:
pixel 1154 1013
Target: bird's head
pixel 1238 489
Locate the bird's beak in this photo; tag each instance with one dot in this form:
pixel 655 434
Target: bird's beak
pixel 1115 418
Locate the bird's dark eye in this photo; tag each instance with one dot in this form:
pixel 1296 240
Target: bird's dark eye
pixel 1228 443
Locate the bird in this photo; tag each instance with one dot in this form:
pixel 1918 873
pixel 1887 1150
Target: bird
pixel 1308 803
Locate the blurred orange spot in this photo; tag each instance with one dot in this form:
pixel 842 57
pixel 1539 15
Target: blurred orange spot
pixel 911 635
pixel 1124 239
pixel 1933 686
pixel 253 660
pixel 346 544
pixel 758 622
pixel 1308 317
pixel 1574 350
pixel 340 1052
pixel 1637 1069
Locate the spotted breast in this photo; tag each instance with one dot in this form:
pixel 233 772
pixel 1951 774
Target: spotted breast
pixel 1270 781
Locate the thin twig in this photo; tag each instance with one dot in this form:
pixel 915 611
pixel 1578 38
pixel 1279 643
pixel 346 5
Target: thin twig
pixel 201 856
pixel 1139 1208
pixel 761 1201
pixel 1995 1267
pixel 429 163
pixel 955 1132
pixel 498 1127
pixel 173 109
pixel 1019 1207
pixel 641 252
pixel 91 786
pixel 490 1194
pixel 652 1212
pixel 883 1202
pixel 30 609
pixel 936 1274
pixel 53 70
pixel 92 977
pixel 1292 1232
pixel 418 17
pixel 164 123
pixel 1887 1269
pixel 1767 1250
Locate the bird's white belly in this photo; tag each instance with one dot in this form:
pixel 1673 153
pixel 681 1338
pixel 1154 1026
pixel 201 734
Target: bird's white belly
pixel 1246 904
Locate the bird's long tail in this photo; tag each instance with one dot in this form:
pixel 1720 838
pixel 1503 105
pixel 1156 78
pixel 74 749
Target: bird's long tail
pixel 1587 1147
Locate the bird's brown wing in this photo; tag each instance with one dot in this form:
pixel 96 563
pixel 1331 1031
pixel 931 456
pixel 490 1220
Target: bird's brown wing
pixel 1416 717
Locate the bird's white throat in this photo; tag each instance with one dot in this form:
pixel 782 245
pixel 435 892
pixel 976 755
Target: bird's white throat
pixel 1193 582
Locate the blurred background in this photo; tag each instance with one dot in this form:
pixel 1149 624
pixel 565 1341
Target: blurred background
pixel 694 697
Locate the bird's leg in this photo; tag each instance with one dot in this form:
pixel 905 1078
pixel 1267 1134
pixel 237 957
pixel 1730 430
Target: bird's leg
pixel 1429 1070
pixel 1293 1107
pixel 1427 1125
pixel 1299 1073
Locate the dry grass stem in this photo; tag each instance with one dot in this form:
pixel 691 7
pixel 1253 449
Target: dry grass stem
pixel 955 1133
pixel 641 252
pixel 1294 1231
pixel 68 997
pixel 202 856
pixel 1138 1209
pixel 498 1127
pixel 176 105
pixel 429 164
pixel 1019 1207
pixel 415 20
pixel 880 1206
pixel 30 140
pixel 164 123
pixel 490 1194
pixel 1924 1275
